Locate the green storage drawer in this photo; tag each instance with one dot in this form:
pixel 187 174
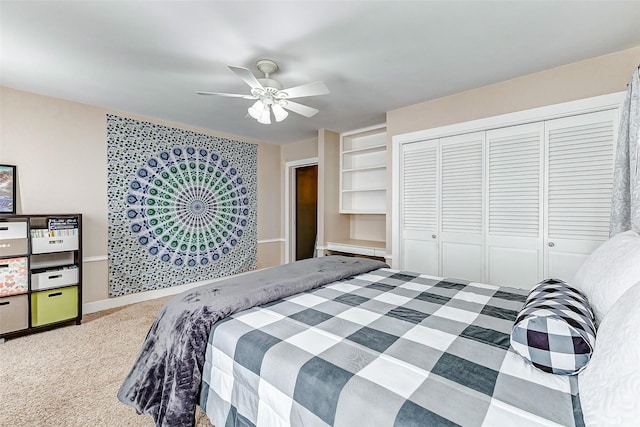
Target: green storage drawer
pixel 54 305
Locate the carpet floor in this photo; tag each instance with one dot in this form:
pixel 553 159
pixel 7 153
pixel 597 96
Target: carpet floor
pixel 70 376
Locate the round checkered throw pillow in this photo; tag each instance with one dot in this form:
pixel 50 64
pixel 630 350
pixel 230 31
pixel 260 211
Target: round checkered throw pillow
pixel 554 331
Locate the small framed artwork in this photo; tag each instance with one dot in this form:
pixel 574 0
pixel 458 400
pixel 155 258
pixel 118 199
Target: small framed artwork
pixel 7 189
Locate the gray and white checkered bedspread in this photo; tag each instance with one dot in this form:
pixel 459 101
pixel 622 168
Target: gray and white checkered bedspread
pixel 385 348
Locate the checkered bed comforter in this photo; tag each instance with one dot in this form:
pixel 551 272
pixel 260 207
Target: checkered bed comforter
pixel 385 348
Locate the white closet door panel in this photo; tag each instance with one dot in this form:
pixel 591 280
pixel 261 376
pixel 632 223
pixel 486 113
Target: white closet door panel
pixel 514 205
pixel 462 206
pixel 579 180
pixel 462 185
pixel 419 183
pixel 420 256
pixel 514 267
pixel 463 261
pixel 563 259
pixel 419 207
pixel 514 180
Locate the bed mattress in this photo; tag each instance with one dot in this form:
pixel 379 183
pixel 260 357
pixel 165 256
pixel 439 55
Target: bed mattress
pixel 384 348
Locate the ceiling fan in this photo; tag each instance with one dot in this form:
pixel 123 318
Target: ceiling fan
pixel 270 96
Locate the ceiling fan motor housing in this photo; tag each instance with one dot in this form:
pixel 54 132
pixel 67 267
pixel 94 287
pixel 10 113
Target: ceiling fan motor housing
pixel 270 83
pixel 267 66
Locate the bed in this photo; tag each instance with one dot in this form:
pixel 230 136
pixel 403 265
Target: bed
pixel 348 341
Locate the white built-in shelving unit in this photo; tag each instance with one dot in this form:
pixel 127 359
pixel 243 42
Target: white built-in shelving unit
pixel 363 171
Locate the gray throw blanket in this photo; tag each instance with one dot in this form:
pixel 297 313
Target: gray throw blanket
pixel 165 379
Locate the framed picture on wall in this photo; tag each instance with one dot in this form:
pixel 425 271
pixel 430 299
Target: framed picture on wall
pixel 7 189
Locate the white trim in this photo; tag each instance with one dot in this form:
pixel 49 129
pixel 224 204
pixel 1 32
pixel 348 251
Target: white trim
pixel 288 188
pixel 95 258
pixel 550 112
pixel 363 130
pixel 276 240
pixel 587 105
pixel 395 199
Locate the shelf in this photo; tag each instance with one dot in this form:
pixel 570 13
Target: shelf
pixel 362 212
pixel 363 189
pixel 359 247
pixel 373 148
pixel 363 171
pixel 368 201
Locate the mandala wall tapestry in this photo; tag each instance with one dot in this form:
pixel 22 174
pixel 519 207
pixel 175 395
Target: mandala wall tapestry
pixel 182 206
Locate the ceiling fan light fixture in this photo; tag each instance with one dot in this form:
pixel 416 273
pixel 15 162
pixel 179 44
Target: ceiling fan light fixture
pixel 256 110
pixel 265 119
pixel 279 113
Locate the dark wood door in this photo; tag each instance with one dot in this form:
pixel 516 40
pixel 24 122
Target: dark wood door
pixel 306 211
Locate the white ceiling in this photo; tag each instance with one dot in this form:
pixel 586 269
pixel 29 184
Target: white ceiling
pixel 148 57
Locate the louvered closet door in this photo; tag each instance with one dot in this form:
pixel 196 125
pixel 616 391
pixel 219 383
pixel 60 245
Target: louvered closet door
pixel 419 207
pixel 461 221
pixel 514 205
pixel 578 196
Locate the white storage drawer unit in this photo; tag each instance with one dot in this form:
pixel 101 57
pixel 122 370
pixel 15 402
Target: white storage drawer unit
pixel 13 230
pixel 54 278
pixel 41 245
pixel 13 238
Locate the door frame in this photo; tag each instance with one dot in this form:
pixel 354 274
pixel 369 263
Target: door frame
pixel 290 205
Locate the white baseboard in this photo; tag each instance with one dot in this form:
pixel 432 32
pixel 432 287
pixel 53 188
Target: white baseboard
pixel 276 240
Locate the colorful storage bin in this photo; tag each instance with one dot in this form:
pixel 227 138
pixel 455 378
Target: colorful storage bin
pixel 14 276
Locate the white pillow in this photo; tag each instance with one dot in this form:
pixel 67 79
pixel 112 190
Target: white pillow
pixel 609 271
pixel 610 383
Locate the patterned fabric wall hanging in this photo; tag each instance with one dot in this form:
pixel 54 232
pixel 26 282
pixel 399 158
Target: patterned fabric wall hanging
pixel 182 206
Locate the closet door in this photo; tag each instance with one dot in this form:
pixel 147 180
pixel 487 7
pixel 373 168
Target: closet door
pixel 461 222
pixel 514 205
pixel 578 189
pixel 419 207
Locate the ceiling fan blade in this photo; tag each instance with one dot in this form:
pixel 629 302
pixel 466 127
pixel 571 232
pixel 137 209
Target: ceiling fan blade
pixel 246 75
pixel 229 95
pixel 309 89
pixel 303 110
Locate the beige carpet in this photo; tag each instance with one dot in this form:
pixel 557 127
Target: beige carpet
pixel 70 376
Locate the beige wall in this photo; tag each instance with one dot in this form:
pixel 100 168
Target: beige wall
pixel 367 227
pixel 593 77
pixel 60 150
pixel 306 149
pixel 332 225
pixel 269 206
